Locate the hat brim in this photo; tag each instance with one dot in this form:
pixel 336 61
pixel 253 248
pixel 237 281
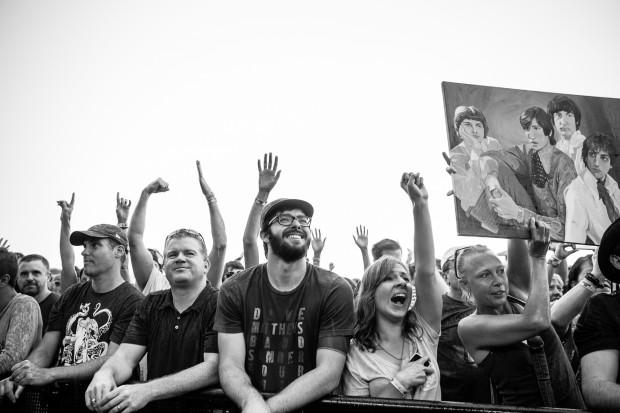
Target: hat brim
pixel 77 238
pixel 609 240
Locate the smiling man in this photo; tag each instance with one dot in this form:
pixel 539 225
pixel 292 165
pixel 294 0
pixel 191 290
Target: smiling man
pixel 85 326
pixel 32 279
pixel 593 198
pixel 284 326
pixel 175 328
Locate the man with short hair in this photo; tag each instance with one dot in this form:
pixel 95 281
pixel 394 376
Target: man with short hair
pixel 20 317
pixel 232 268
pixel 597 335
pixel 32 278
pixel 592 198
pixel 284 326
pixel 175 328
pixel 86 325
pixel 567 120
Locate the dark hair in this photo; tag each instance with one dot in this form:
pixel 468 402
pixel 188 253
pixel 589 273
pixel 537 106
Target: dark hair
pixel 573 273
pixel 365 329
pixel 157 257
pixel 36 257
pixel 542 118
pixel 469 112
pixel 381 246
pixel 233 265
pixel 8 265
pixel 598 142
pixel 563 103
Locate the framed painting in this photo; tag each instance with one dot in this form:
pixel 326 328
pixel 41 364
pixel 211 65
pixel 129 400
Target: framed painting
pixel 520 154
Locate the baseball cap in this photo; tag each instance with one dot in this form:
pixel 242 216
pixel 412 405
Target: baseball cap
pixel 609 241
pixel 281 204
pixel 99 231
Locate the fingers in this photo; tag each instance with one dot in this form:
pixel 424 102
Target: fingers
pixel 199 168
pixel 450 193
pixel 118 198
pixel 18 392
pixel 451 170
pixel 275 163
pixel 72 199
pixel 269 165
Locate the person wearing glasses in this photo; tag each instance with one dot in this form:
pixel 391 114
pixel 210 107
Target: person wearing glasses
pixel 175 328
pixel 85 326
pixel 510 336
pixel 394 348
pixel 283 326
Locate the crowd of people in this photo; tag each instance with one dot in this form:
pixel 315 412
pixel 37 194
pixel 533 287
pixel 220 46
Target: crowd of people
pixel 473 327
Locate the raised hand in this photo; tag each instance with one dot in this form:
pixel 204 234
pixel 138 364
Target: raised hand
pixel 122 209
pixel 268 173
pixel 206 190
pixel 158 185
pixel 413 185
pixel 361 237
pixel 563 250
pixel 4 244
pixel 540 236
pixel 317 242
pixel 66 207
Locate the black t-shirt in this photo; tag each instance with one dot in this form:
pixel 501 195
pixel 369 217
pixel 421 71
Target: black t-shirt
pixel 284 330
pixel 174 341
pixel 598 327
pixel 46 308
pixel 90 320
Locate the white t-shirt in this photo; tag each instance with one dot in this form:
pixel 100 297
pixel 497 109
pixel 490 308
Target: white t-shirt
pixel 157 281
pixel 362 367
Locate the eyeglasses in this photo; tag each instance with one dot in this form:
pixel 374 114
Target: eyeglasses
pixel 459 251
pixel 181 232
pixel 287 220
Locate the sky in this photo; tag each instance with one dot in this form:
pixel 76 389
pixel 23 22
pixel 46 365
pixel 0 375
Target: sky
pixel 104 96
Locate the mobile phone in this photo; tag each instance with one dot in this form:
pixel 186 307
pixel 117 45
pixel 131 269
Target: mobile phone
pixel 417 357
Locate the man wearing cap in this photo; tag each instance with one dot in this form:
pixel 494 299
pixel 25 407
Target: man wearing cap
pixel 597 335
pixel 86 325
pixel 284 326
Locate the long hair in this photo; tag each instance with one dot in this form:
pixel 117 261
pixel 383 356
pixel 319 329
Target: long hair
pixel 365 329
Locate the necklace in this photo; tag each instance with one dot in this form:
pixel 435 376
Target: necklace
pixel 402 349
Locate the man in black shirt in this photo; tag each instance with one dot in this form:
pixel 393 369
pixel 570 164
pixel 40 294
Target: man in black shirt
pixel 32 279
pixel 284 326
pixel 86 325
pixel 175 328
pixel 597 335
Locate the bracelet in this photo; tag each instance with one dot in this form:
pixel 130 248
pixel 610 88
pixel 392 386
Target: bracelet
pixel 399 386
pixel 260 202
pixel 595 281
pixel 211 199
pixel 586 284
pixel 123 226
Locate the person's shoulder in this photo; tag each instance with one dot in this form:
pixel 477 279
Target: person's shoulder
pixel 241 279
pixel 23 300
pixel 327 278
pixel 609 302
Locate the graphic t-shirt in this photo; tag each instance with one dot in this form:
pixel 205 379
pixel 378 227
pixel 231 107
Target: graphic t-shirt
pixel 90 320
pixel 284 330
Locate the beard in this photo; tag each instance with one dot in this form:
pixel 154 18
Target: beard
pixel 30 291
pixel 288 253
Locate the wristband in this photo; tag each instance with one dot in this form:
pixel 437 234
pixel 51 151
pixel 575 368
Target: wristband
pixel 123 226
pixel 595 281
pixel 211 199
pixel 260 202
pixel 399 386
pixel 588 286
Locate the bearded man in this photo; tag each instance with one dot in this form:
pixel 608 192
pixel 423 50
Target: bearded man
pixel 284 326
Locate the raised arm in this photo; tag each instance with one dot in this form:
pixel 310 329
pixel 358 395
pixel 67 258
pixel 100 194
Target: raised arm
pixel 217 256
pixel 557 263
pixel 429 302
pixel 361 240
pixel 68 276
pixel 122 215
pixel 141 259
pixel 317 243
pixel 268 176
pixel 482 331
pixel 519 275
pixel 233 378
